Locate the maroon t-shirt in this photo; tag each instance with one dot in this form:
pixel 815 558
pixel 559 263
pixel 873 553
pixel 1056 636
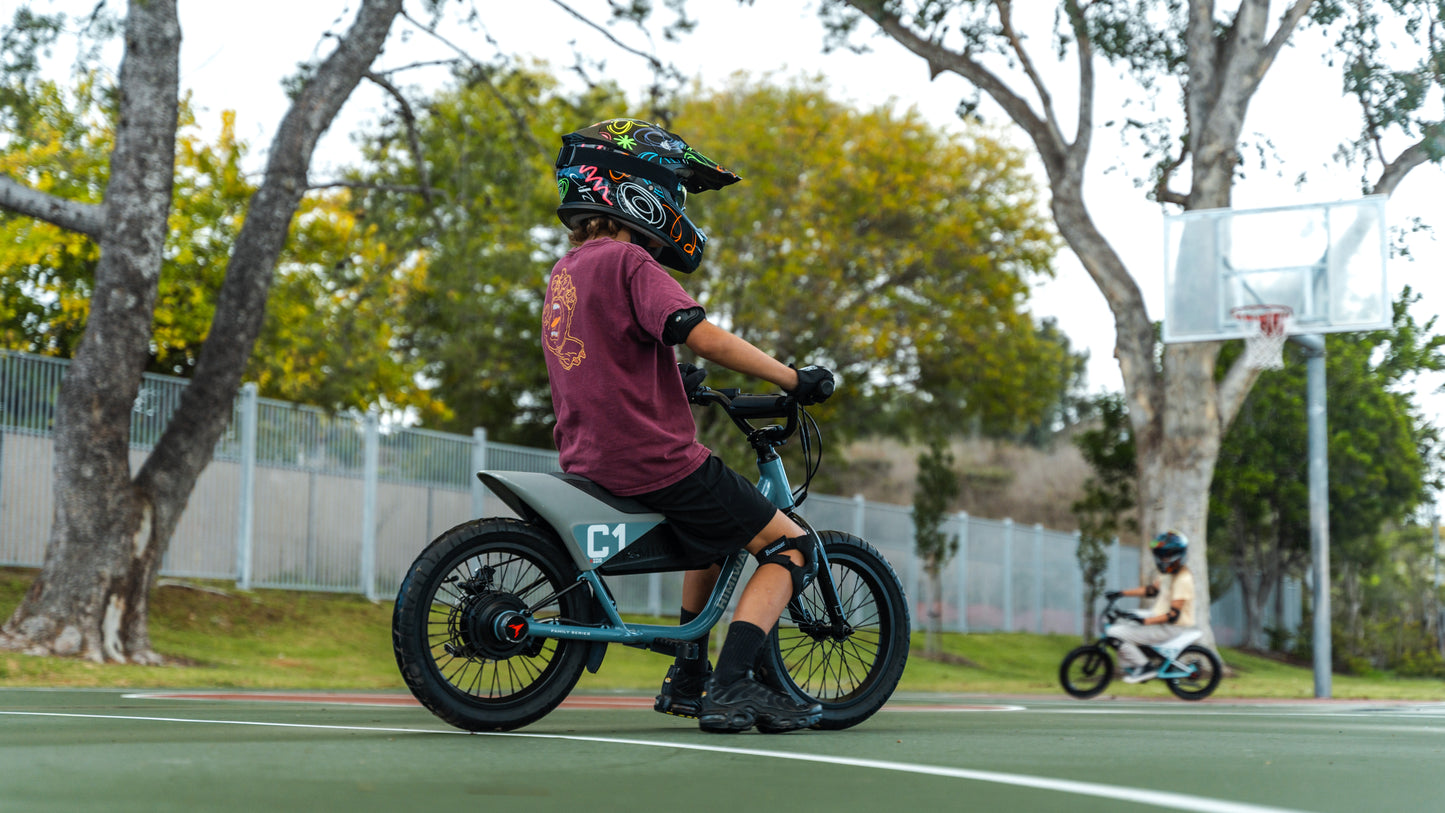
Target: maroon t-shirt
pixel 622 417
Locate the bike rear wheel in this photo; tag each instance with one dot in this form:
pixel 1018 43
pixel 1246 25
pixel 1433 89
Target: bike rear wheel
pixel 1205 668
pixel 1086 671
pixel 462 588
pixel 851 668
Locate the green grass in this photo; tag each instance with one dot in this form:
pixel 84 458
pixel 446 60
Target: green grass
pixel 218 637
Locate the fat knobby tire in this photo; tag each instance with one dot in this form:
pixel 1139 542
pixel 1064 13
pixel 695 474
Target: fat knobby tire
pixel 446 611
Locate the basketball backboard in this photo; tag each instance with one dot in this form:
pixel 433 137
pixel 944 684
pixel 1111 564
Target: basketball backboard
pixel 1326 262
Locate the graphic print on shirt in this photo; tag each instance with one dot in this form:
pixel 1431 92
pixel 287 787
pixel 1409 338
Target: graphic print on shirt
pixel 560 307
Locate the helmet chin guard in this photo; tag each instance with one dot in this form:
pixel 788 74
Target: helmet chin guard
pixel 639 174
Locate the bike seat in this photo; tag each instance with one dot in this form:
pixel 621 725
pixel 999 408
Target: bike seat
pixel 1183 639
pixel 626 505
pixel 509 486
pixel 1171 648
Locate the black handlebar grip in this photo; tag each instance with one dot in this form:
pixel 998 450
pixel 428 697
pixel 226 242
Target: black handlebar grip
pixel 760 406
pixel 825 388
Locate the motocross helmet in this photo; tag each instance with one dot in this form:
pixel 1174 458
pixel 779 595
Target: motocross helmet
pixel 639 174
pixel 1169 549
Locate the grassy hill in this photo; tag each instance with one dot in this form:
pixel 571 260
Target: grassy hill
pixel 220 637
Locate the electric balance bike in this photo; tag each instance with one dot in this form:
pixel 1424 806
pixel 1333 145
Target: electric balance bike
pixel 496 619
pixel 1191 671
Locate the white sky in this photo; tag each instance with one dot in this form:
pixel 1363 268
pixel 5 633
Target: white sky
pixel 234 56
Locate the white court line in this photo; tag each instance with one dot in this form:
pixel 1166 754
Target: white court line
pixel 1166 799
pixel 1371 713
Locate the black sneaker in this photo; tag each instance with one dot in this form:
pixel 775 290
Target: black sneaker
pixel 744 703
pixel 681 693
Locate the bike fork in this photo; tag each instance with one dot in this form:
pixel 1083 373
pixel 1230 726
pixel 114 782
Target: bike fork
pixel 832 602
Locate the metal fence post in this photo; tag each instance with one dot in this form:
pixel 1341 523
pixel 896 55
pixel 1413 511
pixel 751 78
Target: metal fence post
pixel 1116 561
pixel 479 463
pixel 913 577
pixel 1038 578
pixel 654 594
pixel 246 498
pixel 962 559
pixel 370 477
pixel 1085 613
pixel 1008 575
pixel 860 509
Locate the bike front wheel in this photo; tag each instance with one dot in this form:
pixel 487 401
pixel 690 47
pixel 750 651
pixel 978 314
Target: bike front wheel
pixel 1086 671
pixel 463 588
pixel 852 664
pixel 1205 671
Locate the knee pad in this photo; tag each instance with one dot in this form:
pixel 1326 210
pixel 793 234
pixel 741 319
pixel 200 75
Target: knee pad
pixel 802 574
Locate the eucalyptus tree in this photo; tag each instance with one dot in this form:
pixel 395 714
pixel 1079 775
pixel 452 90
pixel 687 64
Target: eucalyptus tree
pixel 111 527
pixel 1199 65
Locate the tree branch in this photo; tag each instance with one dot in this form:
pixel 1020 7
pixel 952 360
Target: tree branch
pixel 652 60
pixel 1084 134
pixel 1234 389
pixel 940 59
pixel 1288 21
pixel 408 118
pixel 1162 192
pixel 86 218
pixel 518 119
pixel 1046 99
pixel 1413 156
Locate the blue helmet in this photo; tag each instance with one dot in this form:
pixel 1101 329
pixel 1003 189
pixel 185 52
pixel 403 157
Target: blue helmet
pixel 640 174
pixel 1169 549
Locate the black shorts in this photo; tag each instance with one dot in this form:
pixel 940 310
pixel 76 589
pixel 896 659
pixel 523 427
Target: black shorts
pixel 714 510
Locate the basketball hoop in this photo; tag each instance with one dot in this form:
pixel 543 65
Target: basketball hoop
pixel 1266 327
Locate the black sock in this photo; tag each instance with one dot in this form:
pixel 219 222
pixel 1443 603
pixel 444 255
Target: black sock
pixel 698 665
pixel 739 650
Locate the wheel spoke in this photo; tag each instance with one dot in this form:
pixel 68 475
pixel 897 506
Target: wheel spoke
pixel 829 668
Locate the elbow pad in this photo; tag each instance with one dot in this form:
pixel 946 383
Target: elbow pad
pixel 1151 591
pixel 1173 614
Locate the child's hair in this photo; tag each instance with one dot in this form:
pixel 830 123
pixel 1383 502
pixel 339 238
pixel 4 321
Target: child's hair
pixel 598 226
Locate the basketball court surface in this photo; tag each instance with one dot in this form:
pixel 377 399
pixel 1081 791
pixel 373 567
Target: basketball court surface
pixel 148 750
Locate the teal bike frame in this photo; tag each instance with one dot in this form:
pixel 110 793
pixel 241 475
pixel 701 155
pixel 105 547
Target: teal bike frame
pixel 773 483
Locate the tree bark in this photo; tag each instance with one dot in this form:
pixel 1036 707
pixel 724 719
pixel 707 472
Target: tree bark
pixel 111 530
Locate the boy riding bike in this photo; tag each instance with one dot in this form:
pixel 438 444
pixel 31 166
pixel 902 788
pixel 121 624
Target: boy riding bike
pixel 611 319
pixel 1172 613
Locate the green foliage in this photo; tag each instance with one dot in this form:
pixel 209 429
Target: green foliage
pixel 937 486
pixel 1381 452
pixel 895 252
pixel 327 339
pixel 1387 617
pixel 1110 503
pixel 863 240
pixel 480 241
pixel 1392 60
pixel 1381 458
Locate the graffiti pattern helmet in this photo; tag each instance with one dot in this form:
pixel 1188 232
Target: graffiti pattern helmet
pixel 1169 549
pixel 639 174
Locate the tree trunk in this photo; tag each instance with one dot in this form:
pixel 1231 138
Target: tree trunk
pixel 111 531
pixel 90 598
pixel 1177 448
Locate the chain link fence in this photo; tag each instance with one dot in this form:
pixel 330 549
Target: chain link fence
pixel 296 498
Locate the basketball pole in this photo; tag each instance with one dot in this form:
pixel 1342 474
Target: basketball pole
pixel 1314 347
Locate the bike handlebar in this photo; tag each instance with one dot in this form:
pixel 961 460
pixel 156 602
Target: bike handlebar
pixel 744 407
